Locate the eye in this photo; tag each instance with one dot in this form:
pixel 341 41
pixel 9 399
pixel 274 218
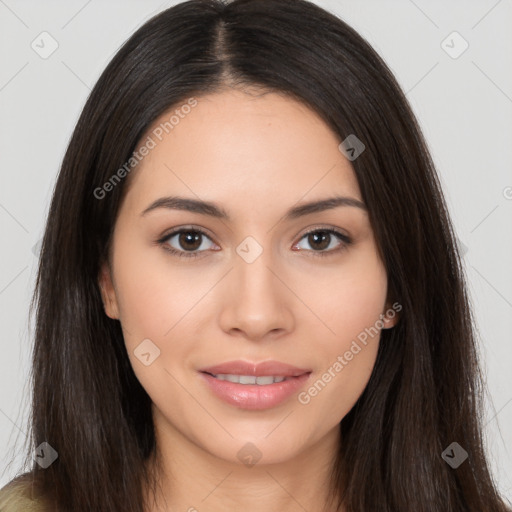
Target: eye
pixel 188 242
pixel 323 241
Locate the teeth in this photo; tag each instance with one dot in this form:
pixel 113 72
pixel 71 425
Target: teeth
pixel 250 379
pixel 263 380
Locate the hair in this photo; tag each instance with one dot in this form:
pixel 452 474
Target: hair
pixel 426 388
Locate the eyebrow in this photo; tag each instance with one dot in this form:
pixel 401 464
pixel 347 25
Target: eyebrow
pixel 213 210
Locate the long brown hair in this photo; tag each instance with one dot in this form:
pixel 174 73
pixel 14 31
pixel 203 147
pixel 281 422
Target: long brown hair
pixel 425 391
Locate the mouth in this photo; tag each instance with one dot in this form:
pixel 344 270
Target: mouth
pixel 254 386
pixel 263 380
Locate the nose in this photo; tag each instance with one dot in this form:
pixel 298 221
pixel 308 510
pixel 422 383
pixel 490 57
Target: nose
pixel 257 304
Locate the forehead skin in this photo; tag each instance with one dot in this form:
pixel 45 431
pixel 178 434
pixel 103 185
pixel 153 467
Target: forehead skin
pixel 243 150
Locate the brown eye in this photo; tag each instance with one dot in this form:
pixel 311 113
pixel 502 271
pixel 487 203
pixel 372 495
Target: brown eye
pixel 190 240
pixel 322 242
pixel 186 242
pixel 319 240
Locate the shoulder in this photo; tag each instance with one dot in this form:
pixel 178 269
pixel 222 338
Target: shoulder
pixel 18 496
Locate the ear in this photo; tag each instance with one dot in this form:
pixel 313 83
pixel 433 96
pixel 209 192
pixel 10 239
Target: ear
pixel 391 315
pixel 108 293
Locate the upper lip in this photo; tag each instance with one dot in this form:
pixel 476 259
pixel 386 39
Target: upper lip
pixel 262 369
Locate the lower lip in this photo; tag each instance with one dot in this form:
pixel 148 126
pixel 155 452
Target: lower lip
pixel 254 396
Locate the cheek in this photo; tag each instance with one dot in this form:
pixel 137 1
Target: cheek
pixel 350 306
pixel 347 298
pixel 153 292
pixel 159 301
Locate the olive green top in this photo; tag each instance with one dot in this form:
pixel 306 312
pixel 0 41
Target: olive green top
pixel 15 497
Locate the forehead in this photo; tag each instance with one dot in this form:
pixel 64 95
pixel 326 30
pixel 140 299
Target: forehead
pixel 234 147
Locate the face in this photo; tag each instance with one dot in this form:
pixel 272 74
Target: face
pixel 254 277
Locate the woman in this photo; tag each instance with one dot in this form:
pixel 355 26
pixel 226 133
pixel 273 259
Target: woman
pixel 249 294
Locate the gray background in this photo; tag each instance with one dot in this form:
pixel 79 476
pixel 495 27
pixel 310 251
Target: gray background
pixel 464 106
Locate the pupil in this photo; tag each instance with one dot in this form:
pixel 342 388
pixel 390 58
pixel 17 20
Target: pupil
pixel 321 236
pixel 189 238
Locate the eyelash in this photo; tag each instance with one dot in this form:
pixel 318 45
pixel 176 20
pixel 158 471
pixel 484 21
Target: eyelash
pixel 346 241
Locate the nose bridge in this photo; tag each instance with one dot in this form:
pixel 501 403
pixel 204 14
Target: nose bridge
pixel 257 302
pixel 254 277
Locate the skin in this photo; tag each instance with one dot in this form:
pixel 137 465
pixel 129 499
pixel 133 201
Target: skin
pixel 241 151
